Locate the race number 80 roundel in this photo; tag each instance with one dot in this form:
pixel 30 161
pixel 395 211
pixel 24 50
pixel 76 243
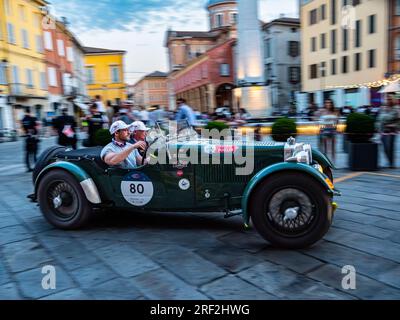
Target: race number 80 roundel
pixel 137 189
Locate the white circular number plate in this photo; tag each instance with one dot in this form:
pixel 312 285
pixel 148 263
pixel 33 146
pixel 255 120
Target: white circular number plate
pixel 137 189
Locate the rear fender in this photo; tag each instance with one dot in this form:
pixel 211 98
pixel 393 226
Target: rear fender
pixel 281 168
pixel 86 182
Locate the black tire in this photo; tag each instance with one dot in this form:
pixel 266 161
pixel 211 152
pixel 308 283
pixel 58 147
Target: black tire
pixel 75 210
pixel 44 159
pixel 291 190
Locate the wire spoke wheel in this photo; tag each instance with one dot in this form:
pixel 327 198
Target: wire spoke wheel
pixel 64 200
pixel 291 211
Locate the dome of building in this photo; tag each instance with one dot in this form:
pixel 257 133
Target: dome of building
pixel 215 2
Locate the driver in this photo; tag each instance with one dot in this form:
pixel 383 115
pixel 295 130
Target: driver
pixel 120 153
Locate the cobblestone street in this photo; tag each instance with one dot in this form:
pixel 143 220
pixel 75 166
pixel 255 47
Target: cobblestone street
pixel 198 256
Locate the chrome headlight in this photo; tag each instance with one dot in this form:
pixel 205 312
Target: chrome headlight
pixel 300 157
pixel 297 152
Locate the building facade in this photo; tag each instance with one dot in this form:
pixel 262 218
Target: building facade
pixel 79 71
pixel 151 90
pixel 58 46
pixel 191 51
pixel 23 68
pixel 105 74
pixel 344 51
pixel 394 38
pixel 282 60
pixel 208 81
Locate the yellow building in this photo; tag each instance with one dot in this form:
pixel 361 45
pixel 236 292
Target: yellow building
pixel 105 74
pixel 344 50
pixel 22 69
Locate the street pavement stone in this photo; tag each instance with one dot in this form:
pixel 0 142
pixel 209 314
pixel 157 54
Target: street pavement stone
pixel 162 284
pixel 25 255
pixel 233 288
pixel 70 294
pixel 115 289
pixel 8 220
pixel 93 275
pixel 248 240
pixel 285 284
pixel 292 260
pixel 365 288
pixel 198 255
pixel 361 228
pixel 4 275
pixel 13 234
pixel 233 259
pixel 9 291
pixel 125 260
pixel 189 266
pixel 381 248
pixel 30 282
pixel 74 257
pixel 366 264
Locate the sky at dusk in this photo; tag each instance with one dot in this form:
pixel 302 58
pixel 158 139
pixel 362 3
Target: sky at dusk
pixel 139 26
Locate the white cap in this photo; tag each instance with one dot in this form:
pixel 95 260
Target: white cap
pixel 139 126
pixel 118 125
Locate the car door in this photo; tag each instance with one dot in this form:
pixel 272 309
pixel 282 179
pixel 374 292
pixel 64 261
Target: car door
pixel 156 186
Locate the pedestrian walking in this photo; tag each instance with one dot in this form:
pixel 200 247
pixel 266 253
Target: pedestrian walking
pixel 30 126
pixel 328 120
pixel 96 121
pixel 388 125
pixel 100 105
pixel 185 112
pixel 65 125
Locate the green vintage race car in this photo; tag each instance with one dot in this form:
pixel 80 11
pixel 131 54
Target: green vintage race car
pixel 288 194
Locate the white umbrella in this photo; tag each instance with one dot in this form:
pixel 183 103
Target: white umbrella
pixel 392 87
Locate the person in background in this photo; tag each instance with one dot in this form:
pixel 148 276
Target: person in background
pixel 125 116
pixel 328 119
pixel 345 111
pixel 311 111
pixel 109 111
pixel 257 133
pixel 30 126
pixel 388 125
pixel 100 106
pixel 144 115
pixel 65 125
pixel 96 122
pixel 185 112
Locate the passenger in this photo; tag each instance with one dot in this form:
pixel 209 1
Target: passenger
pixel 120 153
pixel 139 132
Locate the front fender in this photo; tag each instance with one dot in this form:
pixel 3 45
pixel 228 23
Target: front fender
pixel 86 182
pixel 282 167
pixel 322 159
